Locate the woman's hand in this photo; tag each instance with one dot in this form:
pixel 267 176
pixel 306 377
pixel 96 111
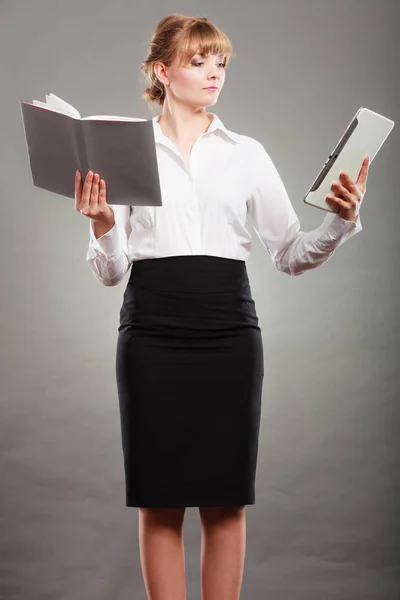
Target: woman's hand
pixel 91 199
pixel 350 195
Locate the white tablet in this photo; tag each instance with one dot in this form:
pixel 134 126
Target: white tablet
pixel 364 136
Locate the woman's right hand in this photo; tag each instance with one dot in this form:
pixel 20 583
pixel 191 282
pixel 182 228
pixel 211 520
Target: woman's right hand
pixel 91 199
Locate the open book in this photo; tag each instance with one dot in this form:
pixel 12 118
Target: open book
pixel 120 149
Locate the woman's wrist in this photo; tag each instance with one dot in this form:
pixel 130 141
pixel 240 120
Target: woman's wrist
pixel 100 228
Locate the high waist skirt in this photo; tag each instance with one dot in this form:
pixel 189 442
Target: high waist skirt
pixel 190 368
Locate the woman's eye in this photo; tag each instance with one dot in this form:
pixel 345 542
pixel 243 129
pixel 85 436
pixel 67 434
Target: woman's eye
pixel 200 63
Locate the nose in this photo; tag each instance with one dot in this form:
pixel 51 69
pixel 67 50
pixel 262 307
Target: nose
pixel 214 77
pixel 214 72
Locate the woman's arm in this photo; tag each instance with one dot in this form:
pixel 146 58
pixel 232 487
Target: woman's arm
pixel 276 223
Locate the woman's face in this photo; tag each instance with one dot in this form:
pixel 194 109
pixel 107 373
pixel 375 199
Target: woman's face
pixel 188 83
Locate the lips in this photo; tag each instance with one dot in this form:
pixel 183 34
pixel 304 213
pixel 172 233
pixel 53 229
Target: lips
pixel 212 87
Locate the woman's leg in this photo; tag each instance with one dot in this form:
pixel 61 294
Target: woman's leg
pixel 162 554
pixel 223 547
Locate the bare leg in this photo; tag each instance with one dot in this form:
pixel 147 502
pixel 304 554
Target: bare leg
pixel 162 554
pixel 223 547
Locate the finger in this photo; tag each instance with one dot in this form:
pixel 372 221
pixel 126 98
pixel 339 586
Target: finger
pixel 94 196
pixel 78 189
pixel 363 174
pixel 332 201
pixel 102 193
pixel 348 183
pixel 344 193
pixel 336 201
pixel 87 189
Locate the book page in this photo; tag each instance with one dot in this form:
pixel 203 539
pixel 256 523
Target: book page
pixel 56 109
pixel 57 104
pixel 55 101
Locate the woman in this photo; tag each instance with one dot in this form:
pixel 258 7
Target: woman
pixel 189 360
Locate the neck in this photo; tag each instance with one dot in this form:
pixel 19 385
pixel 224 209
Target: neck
pixel 184 126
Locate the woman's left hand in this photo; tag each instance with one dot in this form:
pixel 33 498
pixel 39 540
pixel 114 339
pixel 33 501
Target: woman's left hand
pixel 349 195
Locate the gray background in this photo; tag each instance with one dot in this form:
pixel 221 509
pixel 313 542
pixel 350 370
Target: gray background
pixel 326 519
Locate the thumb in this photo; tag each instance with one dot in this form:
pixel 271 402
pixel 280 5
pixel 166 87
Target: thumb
pixel 362 176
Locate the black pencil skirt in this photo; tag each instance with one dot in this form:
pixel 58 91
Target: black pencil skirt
pixel 190 368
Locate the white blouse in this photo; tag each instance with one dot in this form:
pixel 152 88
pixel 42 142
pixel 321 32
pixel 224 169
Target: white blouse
pixel 205 207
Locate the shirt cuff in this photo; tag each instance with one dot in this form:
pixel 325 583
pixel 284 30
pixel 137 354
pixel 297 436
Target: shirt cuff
pixel 340 229
pixel 108 244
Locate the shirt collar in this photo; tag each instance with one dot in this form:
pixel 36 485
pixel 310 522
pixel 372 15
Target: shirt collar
pixel 215 125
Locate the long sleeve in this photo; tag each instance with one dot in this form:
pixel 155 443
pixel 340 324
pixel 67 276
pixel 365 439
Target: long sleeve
pixel 276 224
pixel 107 256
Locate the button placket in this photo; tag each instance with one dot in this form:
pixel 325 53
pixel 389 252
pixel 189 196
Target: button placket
pixel 193 212
pixel 194 206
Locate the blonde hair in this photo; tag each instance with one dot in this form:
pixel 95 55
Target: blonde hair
pixel 179 35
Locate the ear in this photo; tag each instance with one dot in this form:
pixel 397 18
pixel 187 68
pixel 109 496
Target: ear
pixel 160 71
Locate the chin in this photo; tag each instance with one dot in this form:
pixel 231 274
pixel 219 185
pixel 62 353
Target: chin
pixel 203 104
pixel 211 102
